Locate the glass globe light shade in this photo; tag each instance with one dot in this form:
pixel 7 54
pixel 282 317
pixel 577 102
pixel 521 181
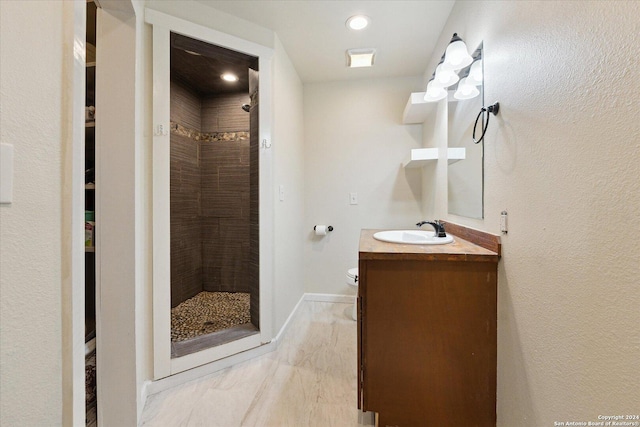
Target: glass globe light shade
pixel 475 73
pixel 434 93
pixel 466 90
pixel 445 78
pixel 456 56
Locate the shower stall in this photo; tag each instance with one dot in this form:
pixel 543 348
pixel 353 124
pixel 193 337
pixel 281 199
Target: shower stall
pixel 213 199
pixel 212 195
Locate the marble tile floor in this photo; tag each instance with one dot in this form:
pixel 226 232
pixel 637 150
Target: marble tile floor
pixel 310 380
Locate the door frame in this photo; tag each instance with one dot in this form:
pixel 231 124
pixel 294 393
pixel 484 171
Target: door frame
pixel 163 25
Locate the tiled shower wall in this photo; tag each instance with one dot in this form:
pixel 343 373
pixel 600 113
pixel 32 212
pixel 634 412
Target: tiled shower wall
pixel 185 194
pixel 225 215
pixel 222 195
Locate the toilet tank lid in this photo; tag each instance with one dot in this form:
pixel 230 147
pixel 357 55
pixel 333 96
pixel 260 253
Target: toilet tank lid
pixel 353 272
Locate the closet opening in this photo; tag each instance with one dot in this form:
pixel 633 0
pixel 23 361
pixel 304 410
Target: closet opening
pixel 90 223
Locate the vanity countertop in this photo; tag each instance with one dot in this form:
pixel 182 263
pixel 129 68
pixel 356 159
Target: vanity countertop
pixel 459 250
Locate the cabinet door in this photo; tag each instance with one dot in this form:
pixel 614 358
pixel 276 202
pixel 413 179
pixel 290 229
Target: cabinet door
pixel 429 343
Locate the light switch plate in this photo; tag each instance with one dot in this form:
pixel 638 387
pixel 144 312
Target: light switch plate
pixel 353 198
pixel 6 173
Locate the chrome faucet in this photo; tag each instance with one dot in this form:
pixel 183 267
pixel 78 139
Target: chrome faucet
pixel 437 226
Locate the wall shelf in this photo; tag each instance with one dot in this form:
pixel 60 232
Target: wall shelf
pixel 422 156
pixel 417 109
pixel 455 154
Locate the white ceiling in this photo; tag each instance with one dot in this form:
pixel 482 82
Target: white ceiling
pixel 313 32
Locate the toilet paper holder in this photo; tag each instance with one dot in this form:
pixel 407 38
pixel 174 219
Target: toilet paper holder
pixel 329 228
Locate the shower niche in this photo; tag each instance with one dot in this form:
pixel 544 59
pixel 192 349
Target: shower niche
pixel 212 195
pixel 213 198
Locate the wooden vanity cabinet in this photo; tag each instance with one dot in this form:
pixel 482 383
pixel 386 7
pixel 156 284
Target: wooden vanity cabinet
pixel 427 336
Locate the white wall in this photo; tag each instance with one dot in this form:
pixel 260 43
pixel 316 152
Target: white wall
pixel 355 142
pixel 563 158
pixel 31 105
pixel 206 16
pixel 117 266
pixel 288 138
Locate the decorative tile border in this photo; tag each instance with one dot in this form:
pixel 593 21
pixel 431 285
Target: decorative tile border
pixel 178 129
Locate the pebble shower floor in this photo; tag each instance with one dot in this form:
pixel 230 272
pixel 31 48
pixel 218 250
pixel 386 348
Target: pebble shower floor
pixel 209 312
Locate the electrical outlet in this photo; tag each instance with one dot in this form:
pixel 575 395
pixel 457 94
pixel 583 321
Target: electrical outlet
pixel 353 198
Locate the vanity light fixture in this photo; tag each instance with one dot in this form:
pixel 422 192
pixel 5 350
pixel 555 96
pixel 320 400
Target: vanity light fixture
pixel 357 58
pixel 229 77
pixel 453 59
pixel 358 22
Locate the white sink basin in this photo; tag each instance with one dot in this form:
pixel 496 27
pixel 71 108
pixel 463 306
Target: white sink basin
pixel 412 237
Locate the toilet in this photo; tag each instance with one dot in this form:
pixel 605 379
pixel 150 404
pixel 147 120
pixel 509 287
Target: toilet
pixel 352 280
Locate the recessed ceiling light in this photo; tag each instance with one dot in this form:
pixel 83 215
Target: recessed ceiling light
pixel 360 57
pixel 358 22
pixel 229 77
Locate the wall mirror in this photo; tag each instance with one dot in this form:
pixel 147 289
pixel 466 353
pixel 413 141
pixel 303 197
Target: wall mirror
pixel 466 167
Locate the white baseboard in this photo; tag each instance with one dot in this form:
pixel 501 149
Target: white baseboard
pixel 144 394
pixel 347 299
pixel 284 327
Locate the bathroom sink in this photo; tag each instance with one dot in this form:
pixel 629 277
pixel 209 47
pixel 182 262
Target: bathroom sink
pixel 412 237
